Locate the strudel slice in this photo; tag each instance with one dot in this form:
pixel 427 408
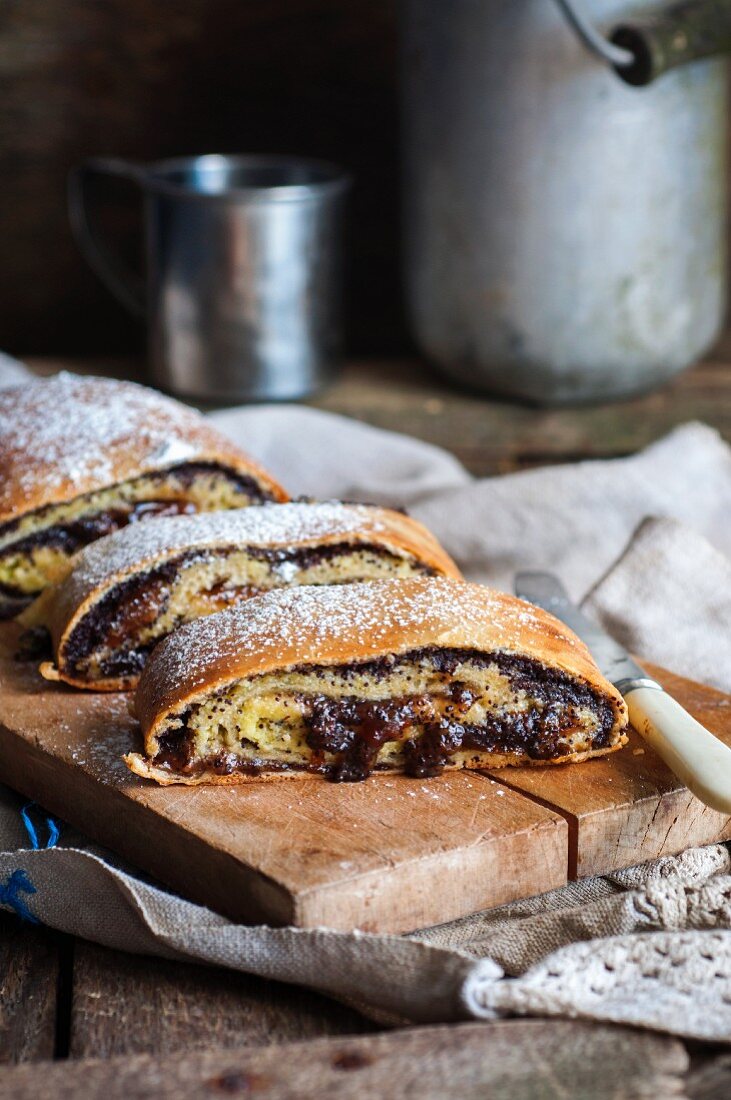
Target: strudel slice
pixel 412 675
pixel 82 457
pixel 127 591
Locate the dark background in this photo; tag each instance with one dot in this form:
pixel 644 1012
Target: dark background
pixel 154 78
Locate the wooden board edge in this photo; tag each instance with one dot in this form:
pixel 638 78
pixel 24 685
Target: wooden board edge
pixel 496 873
pixel 492 873
pixel 584 860
pixel 229 886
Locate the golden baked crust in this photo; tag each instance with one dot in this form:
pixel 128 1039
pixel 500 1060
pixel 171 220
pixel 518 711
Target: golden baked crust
pixel 68 435
pixel 311 629
pixel 186 541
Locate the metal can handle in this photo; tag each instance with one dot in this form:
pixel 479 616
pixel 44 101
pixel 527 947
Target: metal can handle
pixel 644 48
pixel 592 38
pixel 127 287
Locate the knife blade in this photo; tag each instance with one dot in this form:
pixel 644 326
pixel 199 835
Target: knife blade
pixel 699 759
pixel 546 591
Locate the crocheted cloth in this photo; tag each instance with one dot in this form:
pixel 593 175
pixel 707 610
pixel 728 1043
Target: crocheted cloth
pixel 663 959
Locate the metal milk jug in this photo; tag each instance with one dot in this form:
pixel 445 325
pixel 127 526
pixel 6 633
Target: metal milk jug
pixel 564 192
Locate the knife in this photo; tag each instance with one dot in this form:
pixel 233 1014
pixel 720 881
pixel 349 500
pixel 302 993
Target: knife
pixel 699 759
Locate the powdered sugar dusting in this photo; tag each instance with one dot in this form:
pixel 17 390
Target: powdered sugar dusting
pixel 307 621
pixel 70 429
pixel 270 525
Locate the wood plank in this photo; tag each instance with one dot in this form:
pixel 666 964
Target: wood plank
pixel 296 850
pixel 508 1060
pixel 127 1004
pixel 29 971
pixel 491 436
pixel 629 807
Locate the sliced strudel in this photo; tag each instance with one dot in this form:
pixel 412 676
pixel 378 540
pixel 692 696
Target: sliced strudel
pixel 81 457
pixel 412 675
pixel 127 591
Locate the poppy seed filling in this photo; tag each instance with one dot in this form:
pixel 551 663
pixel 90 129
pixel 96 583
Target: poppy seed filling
pixel 463 703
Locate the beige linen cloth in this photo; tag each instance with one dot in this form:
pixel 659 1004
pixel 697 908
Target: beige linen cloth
pixel 645 543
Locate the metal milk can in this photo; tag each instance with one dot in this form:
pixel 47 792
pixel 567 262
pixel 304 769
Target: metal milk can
pixel 565 190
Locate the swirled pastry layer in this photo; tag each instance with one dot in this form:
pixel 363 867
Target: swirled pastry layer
pixel 82 457
pixel 127 591
pixel 409 675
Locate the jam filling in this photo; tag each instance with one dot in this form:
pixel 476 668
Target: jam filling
pixel 128 608
pixel 357 730
pixel 223 595
pixel 354 731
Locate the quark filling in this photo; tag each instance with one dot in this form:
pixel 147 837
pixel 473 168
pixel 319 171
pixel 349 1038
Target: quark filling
pixel 34 550
pixel 114 638
pixel 418 713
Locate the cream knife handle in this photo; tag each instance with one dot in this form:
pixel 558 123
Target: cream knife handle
pixel 698 758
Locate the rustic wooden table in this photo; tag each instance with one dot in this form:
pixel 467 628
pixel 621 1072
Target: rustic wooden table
pixel 69 1000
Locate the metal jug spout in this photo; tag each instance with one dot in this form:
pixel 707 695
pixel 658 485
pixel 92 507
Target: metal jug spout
pixel 642 49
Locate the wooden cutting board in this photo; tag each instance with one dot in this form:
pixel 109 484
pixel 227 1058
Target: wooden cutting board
pixel 391 854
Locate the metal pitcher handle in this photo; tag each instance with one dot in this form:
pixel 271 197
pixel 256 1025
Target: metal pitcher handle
pixel 646 47
pixel 126 286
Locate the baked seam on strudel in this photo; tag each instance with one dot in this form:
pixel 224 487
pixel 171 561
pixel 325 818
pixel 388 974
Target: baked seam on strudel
pixel 411 675
pixel 82 457
pixel 127 591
